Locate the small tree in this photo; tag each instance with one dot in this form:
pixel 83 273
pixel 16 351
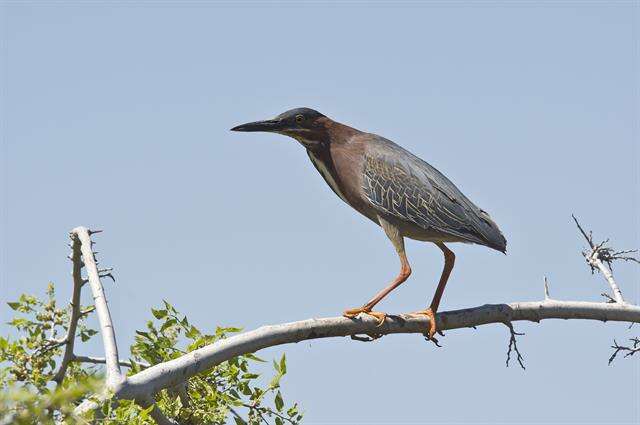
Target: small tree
pixel 33 393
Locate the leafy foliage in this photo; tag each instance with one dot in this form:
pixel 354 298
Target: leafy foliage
pixel 29 362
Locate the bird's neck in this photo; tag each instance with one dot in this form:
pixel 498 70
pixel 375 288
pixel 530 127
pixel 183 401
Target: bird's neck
pixel 336 135
pixel 339 133
pixel 336 149
pixel 322 160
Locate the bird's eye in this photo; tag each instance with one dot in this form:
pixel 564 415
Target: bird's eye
pixel 299 118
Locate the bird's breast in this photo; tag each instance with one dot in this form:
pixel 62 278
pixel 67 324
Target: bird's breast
pixel 341 168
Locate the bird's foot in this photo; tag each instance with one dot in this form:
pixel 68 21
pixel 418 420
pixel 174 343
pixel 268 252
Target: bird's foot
pixel 378 315
pixel 432 322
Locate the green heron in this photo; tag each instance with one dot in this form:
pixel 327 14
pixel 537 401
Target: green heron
pixel 393 188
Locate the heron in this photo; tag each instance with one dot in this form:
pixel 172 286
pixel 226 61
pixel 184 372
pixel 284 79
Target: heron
pixel 401 193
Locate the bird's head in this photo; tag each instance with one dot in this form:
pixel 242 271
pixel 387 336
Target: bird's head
pixel 307 126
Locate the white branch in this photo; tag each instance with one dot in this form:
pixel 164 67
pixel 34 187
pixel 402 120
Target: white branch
pixel 114 376
pixel 174 372
pixel 594 259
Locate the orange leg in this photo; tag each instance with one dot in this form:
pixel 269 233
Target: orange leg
pixel 449 261
pixel 405 271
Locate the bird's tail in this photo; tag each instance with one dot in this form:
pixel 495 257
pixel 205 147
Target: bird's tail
pixel 492 235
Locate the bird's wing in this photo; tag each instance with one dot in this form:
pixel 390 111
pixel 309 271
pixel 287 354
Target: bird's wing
pixel 399 183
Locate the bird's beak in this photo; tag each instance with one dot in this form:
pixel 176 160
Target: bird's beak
pixel 268 125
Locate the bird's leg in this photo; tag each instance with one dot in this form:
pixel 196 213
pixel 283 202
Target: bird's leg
pixel 449 261
pixel 405 271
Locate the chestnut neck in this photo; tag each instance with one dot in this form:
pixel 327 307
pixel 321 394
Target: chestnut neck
pixel 337 132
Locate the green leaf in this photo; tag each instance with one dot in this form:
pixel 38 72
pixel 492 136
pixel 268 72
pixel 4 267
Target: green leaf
pixel 105 409
pixel 168 324
pixel 279 402
pixel 143 334
pixel 28 299
pixel 293 410
pixel 283 364
pixel 19 322
pixel 168 306
pixel 253 357
pixel 239 421
pixel 193 332
pixel 14 305
pixel 144 413
pixel 279 421
pixel 158 314
pixel 246 390
pixel 87 334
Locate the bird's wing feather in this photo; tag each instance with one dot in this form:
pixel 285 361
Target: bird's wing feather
pixel 399 183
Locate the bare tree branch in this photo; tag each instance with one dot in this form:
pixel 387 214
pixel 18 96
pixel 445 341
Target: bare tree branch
pixel 608 297
pixel 513 345
pixel 173 372
pixel 599 254
pixel 76 258
pixel 629 351
pixel 114 376
pixel 102 360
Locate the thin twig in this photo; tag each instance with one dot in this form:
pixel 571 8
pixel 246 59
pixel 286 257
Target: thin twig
pixel 50 345
pixel 629 351
pixel 102 360
pixel 546 290
pixel 513 345
pixel 608 297
pixel 269 410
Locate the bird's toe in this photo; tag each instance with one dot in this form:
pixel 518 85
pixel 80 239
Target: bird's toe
pixel 354 312
pixel 432 321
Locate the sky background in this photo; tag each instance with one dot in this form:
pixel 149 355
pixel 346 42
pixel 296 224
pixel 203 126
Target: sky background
pixel 116 116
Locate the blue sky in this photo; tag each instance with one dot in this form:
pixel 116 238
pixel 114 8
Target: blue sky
pixel 116 116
